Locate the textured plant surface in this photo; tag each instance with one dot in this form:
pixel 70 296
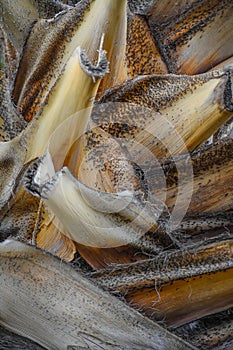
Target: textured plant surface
pixel 116 174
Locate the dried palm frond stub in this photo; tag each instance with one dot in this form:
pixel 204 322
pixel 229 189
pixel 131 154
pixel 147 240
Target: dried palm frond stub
pixel 47 93
pixel 212 170
pixel 196 106
pixel 67 311
pixel 82 26
pixel 120 205
pixel 114 212
pixel 193 36
pixel 177 287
